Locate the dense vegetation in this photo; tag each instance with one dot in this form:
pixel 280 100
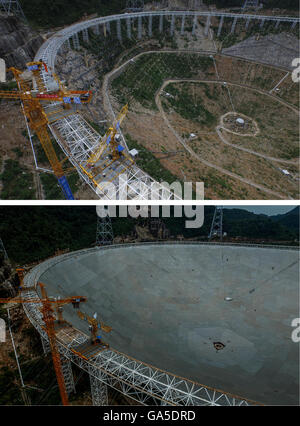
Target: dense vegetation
pixel 47 13
pixel 17 181
pixel 53 13
pixel 37 372
pixel 141 80
pixel 34 233
pixel 189 107
pixel 268 4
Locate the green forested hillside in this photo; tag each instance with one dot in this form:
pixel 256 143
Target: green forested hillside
pixel 290 219
pixel 33 233
pixel 268 4
pixel 53 13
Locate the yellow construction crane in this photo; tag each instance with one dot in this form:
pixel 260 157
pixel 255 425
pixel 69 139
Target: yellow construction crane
pixel 94 326
pixel 48 308
pixel 32 98
pixel 108 155
pixel 88 350
pixel 110 138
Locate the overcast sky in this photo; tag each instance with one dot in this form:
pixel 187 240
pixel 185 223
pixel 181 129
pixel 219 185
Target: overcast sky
pixel 269 210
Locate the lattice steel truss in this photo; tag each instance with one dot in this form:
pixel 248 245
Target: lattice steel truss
pixel 12 7
pixel 131 377
pixel 46 346
pixel 2 249
pixel 121 180
pixel 248 4
pixel 104 233
pixel 68 374
pixel 98 390
pixel 216 229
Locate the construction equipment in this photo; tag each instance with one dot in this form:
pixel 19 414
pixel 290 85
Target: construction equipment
pixel 48 308
pixel 94 326
pixel 107 157
pixel 32 95
pixel 110 138
pixel 12 7
pixel 91 349
pixel 20 272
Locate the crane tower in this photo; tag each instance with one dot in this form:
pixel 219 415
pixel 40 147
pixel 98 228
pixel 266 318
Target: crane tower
pixel 48 307
pixel 33 96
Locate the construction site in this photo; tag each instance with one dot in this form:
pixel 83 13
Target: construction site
pixel 169 321
pixel 158 93
pixel 108 298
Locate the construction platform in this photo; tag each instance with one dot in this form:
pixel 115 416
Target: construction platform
pixel 88 351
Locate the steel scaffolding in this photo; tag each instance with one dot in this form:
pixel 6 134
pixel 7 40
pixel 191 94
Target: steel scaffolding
pixel 248 4
pixel 68 374
pixel 104 233
pixel 216 229
pixel 45 345
pixel 2 249
pixel 98 390
pixel 12 7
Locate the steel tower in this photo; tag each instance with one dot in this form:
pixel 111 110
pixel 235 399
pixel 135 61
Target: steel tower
pixel 104 233
pixel 250 4
pixel 216 229
pixel 12 7
pixel 2 249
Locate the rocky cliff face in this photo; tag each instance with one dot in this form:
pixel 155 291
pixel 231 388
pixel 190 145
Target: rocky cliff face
pixel 18 43
pixel 8 278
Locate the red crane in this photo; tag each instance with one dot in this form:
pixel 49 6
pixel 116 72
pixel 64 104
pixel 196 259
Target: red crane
pixel 48 309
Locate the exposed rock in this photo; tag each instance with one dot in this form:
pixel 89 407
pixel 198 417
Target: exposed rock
pixel 8 278
pixel 18 43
